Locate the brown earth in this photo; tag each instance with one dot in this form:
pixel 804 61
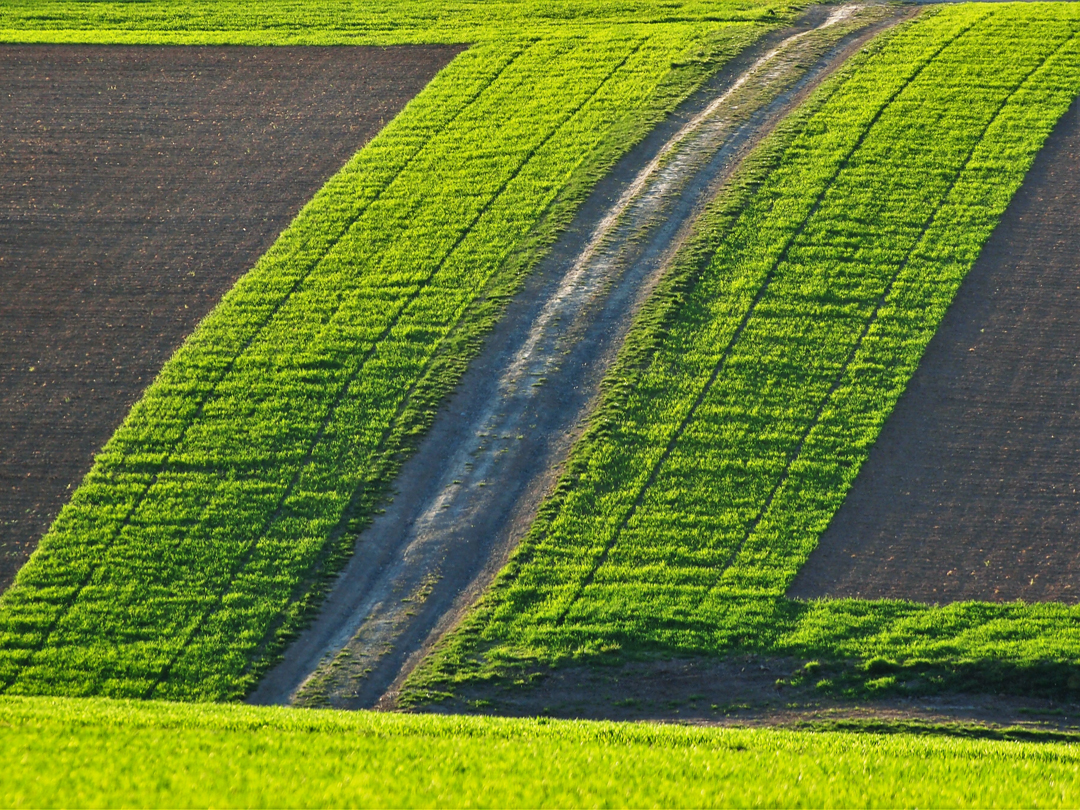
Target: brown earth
pixel 754 691
pixel 971 491
pixel 136 185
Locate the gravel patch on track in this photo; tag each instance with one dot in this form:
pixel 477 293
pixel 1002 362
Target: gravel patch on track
pixel 972 490
pixel 470 492
pixel 136 185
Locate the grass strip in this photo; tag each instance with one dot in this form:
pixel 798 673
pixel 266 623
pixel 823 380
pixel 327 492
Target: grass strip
pixel 78 752
pixel 342 22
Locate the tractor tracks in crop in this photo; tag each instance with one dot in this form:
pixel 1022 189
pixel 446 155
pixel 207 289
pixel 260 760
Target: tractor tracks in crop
pixel 469 493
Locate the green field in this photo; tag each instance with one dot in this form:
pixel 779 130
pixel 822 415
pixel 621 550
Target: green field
pixel 211 522
pixel 753 387
pixel 342 22
pixel 113 753
pixel 736 418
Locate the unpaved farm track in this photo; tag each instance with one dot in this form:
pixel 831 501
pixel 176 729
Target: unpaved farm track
pixel 972 490
pixel 469 493
pixel 136 185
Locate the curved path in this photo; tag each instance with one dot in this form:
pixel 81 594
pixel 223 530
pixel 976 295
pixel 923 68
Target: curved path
pixel 469 493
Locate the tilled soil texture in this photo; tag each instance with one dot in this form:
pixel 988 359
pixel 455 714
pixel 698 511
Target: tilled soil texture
pixel 136 185
pixel 971 491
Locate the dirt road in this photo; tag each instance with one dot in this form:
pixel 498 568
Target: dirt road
pixel 469 493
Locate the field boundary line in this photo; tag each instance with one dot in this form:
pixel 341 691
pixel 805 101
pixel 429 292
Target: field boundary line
pixel 200 409
pixel 376 343
pixel 841 373
pixel 759 295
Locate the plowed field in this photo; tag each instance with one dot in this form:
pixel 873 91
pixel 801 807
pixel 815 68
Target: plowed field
pixel 136 185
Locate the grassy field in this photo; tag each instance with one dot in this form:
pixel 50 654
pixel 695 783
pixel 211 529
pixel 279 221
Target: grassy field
pixel 758 378
pixel 342 22
pixel 739 414
pixel 210 523
pixel 70 752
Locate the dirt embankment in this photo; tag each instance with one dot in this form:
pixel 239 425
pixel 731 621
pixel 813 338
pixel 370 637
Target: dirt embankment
pixel 136 185
pixel 972 491
pixel 748 690
pixel 469 493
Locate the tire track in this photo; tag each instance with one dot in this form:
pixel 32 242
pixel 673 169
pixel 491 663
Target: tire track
pixel 470 491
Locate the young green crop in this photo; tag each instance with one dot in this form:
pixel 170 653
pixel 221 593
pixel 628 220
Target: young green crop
pixel 67 752
pixel 344 22
pixel 210 523
pixel 756 381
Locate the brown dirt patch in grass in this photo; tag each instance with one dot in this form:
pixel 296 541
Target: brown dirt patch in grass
pixel 136 185
pixel 755 691
pixel 972 490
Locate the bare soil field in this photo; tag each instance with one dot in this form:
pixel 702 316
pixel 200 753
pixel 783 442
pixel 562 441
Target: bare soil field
pixel 971 491
pixel 136 185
